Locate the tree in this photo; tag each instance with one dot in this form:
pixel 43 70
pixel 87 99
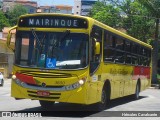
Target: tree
pixel 154 8
pixel 127 14
pixel 3 21
pixel 137 22
pixel 106 13
pixel 13 14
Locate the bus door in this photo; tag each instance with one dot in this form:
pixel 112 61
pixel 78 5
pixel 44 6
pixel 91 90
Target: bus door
pixel 95 67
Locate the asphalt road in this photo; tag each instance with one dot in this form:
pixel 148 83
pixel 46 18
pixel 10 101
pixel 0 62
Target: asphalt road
pixel 149 102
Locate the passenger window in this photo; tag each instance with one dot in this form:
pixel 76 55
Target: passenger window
pixel 120 44
pixel 134 48
pixel 109 54
pixel 141 50
pixel 113 41
pixel 145 52
pixel 140 61
pixel 134 60
pixel 127 46
pixel 128 59
pixel 108 40
pixel 120 57
pixel 109 47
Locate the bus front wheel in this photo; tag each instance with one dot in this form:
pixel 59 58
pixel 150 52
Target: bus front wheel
pixel 105 98
pixel 46 104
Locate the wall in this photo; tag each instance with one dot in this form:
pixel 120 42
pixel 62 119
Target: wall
pixel 6 59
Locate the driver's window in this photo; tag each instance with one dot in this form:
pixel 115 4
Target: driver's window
pixel 96 36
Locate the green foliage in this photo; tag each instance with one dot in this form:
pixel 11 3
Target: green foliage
pixel 137 21
pixel 127 14
pixel 14 14
pixel 107 14
pixel 153 6
pixel 3 21
pixel 150 41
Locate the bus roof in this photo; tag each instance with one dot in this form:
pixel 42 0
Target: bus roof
pixel 93 22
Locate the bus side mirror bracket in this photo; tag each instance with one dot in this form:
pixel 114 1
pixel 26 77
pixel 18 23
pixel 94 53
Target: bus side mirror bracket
pixel 97 48
pixel 9 36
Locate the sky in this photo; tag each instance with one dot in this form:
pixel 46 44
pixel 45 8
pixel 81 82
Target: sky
pixel 55 2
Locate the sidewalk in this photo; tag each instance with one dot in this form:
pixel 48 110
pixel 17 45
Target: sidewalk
pixel 155 86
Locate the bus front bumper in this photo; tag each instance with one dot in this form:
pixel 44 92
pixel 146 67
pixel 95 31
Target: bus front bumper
pixel 24 91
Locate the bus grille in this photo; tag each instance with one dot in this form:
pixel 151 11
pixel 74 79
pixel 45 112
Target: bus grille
pixel 45 74
pixel 51 96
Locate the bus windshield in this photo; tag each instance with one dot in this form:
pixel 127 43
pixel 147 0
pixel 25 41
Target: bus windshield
pixel 51 50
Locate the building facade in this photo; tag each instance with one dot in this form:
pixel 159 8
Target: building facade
pixel 56 9
pixel 83 7
pixel 6 55
pixel 31 6
pixel 6 59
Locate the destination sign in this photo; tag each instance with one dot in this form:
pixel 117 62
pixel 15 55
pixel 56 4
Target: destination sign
pixel 53 22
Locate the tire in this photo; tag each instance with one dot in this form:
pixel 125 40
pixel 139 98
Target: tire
pixel 46 104
pixel 105 98
pixel 2 83
pixel 137 91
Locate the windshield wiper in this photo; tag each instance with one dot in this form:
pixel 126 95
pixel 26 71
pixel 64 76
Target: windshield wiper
pixel 36 37
pixel 65 34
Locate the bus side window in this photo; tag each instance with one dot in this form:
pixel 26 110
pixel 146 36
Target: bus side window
pixel 127 46
pixel 120 54
pixel 120 44
pixel 128 59
pixel 134 54
pixel 109 50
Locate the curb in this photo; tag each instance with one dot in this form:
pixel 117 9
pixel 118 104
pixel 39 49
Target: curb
pixel 155 86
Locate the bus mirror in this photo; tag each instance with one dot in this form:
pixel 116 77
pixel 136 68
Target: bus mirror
pixel 97 48
pixel 9 36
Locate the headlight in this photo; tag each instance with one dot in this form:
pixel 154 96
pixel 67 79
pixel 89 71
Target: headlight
pixel 75 85
pixel 14 77
pixel 81 82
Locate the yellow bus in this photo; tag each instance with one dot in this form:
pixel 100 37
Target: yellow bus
pixel 76 59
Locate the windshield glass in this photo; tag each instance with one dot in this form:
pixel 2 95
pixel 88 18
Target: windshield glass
pixel 51 50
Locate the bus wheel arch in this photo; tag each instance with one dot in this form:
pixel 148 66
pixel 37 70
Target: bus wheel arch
pixel 107 87
pixel 105 96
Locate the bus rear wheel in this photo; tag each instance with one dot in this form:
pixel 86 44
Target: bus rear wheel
pixel 46 104
pixel 137 91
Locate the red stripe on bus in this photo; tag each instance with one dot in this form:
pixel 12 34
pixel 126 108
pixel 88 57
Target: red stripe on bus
pixel 141 72
pixel 25 78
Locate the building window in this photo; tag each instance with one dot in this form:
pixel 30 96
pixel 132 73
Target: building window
pixel 31 11
pixel 77 12
pixel 77 6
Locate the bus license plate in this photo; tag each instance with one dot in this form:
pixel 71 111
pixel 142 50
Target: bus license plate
pixel 43 93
